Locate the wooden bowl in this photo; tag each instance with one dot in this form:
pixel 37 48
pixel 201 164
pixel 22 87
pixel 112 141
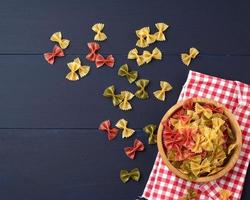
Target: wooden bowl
pixel 231 162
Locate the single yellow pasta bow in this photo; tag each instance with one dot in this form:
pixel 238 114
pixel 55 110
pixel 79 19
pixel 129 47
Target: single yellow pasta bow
pixel 141 34
pixel 225 194
pixel 133 54
pixel 110 93
pixel 125 175
pixel 200 168
pixel 75 67
pixel 186 58
pixel 161 28
pixel 150 130
pixel 130 75
pixel 156 54
pixel 57 37
pixel 205 111
pixel 141 93
pixel 165 87
pixel 145 38
pixel 126 96
pixel 127 132
pixel 97 28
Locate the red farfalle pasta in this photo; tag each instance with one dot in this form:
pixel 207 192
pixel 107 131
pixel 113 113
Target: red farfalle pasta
pixel 100 61
pixel 50 56
pixel 93 48
pixel 180 115
pixel 130 151
pixel 188 134
pixel 106 127
pixel 188 104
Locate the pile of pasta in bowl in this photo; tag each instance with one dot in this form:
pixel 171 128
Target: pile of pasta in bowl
pixel 199 140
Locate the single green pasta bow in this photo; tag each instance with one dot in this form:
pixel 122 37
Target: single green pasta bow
pixel 150 130
pixel 130 75
pixel 141 93
pixel 191 194
pixel 110 93
pixel 134 174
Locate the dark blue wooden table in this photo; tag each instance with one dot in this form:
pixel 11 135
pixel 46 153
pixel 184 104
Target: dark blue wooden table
pixel 50 147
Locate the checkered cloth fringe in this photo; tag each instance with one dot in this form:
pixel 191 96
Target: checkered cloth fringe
pixel 163 184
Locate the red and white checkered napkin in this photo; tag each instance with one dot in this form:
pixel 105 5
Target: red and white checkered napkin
pixel 163 184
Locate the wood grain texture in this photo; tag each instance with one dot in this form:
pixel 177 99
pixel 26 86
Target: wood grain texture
pixel 49 142
pixel 68 164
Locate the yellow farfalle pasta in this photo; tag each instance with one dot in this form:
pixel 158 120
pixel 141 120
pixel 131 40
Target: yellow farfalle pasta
pixel 98 28
pixel 125 104
pixel 225 194
pixel 133 54
pixel 186 58
pixel 200 168
pixel 76 67
pixel 161 28
pixel 201 110
pixel 199 139
pixel 165 87
pixel 148 56
pixel 126 132
pixel 145 38
pixel 57 37
pixel 141 93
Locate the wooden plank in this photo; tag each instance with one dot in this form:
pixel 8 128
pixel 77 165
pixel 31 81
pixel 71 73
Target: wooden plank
pixel 215 28
pixel 69 164
pixel 36 95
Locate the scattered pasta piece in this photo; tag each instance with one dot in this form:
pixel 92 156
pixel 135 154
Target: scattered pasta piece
pixel 134 174
pixel 110 93
pixel 165 87
pixel 57 37
pixel 225 194
pixel 76 67
pixel 98 28
pixel 106 127
pixel 93 48
pixel 141 93
pixel 50 56
pixel 186 58
pixel 100 61
pixel 161 28
pixel 127 132
pixel 125 104
pixel 130 151
pixel 150 130
pixel 191 194
pixel 130 75
pixel 156 54
pixel 133 54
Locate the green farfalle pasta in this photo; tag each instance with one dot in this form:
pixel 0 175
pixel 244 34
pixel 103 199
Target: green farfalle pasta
pixel 130 75
pixel 125 175
pixel 109 92
pixel 191 194
pixel 150 130
pixel 141 93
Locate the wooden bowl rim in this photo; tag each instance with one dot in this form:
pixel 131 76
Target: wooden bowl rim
pixel 234 125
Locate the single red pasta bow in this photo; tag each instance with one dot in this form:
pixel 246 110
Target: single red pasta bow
pixel 111 132
pixel 100 61
pixel 130 151
pixel 93 47
pixel 50 57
